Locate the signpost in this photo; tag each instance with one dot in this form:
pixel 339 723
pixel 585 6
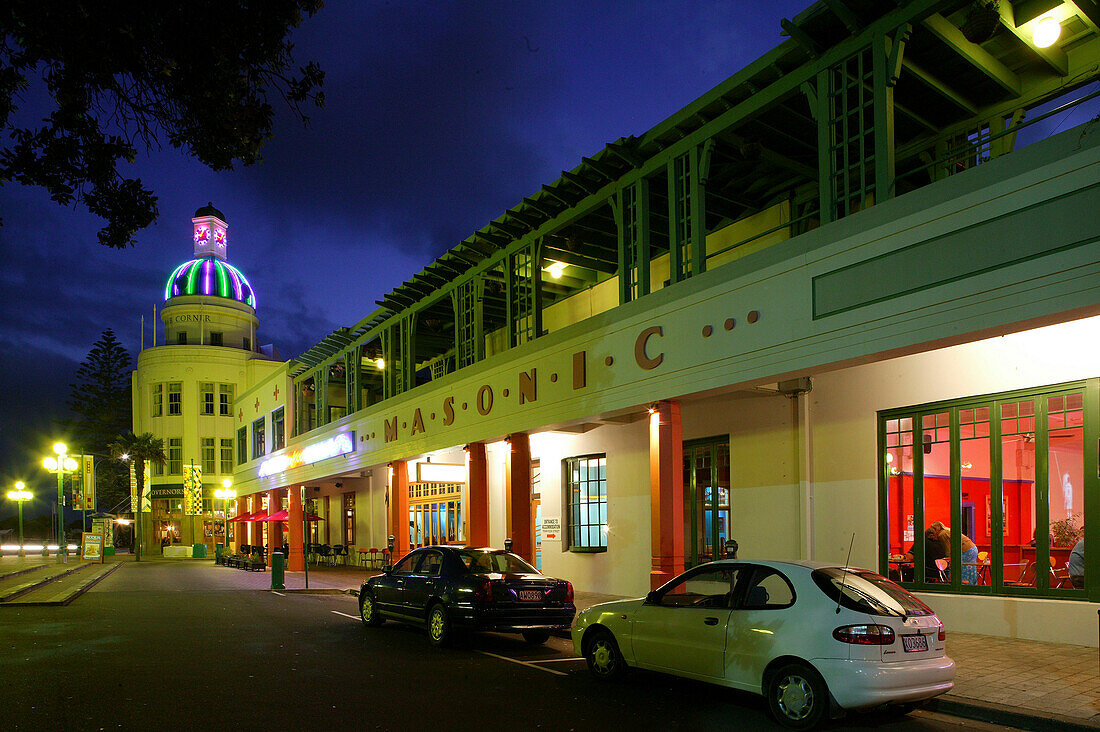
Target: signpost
pixel 91 547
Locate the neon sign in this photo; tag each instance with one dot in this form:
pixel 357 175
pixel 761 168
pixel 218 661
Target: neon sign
pixel 340 444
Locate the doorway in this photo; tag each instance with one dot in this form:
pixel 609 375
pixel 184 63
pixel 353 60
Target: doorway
pixel 706 499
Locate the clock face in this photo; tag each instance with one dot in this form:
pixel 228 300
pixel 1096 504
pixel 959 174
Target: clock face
pixel 219 237
pixel 202 234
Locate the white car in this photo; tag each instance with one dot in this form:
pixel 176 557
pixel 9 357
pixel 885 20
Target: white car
pixel 813 638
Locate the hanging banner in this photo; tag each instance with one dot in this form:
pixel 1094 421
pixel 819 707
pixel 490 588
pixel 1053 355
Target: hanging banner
pixel 105 527
pixel 83 484
pixel 146 502
pixel 192 490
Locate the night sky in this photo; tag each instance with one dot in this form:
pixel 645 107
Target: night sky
pixel 439 116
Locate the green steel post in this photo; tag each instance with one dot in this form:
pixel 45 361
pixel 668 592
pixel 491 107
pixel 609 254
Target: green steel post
pixel 62 549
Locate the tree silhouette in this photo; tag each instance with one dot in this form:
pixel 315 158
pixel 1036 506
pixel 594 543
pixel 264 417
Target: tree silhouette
pixel 122 76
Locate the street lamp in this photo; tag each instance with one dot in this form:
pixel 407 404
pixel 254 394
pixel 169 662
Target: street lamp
pixel 226 494
pixel 61 464
pixel 20 494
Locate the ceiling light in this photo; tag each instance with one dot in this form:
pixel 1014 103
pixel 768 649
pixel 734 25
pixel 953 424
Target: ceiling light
pixel 555 269
pixel 1046 33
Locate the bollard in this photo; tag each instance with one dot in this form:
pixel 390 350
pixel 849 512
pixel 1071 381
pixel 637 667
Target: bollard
pixel 278 567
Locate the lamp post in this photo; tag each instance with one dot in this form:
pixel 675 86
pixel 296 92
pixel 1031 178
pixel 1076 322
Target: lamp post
pixel 61 464
pixel 20 494
pixel 225 493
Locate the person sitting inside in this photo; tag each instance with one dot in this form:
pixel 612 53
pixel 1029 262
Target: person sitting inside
pixel 1077 564
pixel 969 553
pixel 933 550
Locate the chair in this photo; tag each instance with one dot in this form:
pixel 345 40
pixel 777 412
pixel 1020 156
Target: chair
pixel 1026 578
pixel 325 554
pixel 339 554
pixel 375 556
pixel 941 568
pixel 314 550
pixel 983 568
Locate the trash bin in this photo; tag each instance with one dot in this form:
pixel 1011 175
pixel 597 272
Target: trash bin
pixel 278 568
pixel 198 551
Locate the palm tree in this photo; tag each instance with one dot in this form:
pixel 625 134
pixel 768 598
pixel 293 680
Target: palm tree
pixel 139 449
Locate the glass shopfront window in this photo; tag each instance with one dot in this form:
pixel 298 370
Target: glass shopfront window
pixel 994 499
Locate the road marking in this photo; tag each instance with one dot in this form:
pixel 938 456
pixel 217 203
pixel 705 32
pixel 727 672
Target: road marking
pixel 337 612
pixel 273 592
pixel 558 660
pixel 524 663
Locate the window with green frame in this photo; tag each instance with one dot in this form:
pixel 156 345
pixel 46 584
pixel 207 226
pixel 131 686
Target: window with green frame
pixel 987 494
pixel 585 481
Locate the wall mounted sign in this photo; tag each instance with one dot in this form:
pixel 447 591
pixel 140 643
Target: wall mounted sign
pixel 340 444
pixel 551 528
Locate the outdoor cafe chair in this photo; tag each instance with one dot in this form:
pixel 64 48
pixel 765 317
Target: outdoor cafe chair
pixel 339 554
pixel 326 554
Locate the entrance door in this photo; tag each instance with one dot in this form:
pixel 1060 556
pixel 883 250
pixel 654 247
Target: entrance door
pixel 706 499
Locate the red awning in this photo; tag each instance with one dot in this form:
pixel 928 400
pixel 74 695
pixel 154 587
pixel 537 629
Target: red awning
pixel 279 516
pixel 243 517
pixel 313 517
pixel 258 516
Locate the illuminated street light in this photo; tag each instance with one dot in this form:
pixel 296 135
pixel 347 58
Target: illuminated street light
pixel 61 465
pixel 20 494
pixel 226 494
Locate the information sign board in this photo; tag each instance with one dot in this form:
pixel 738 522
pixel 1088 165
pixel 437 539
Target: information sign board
pixel 91 547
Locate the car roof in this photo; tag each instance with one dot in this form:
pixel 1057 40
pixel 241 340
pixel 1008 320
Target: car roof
pixel 778 563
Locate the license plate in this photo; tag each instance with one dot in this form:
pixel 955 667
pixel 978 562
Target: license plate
pixel 529 595
pixel 914 643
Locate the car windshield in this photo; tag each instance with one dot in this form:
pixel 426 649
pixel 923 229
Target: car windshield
pixel 868 592
pixel 489 562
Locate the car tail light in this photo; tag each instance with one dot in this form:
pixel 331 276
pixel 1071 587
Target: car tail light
pixel 568 592
pixel 942 635
pixel 484 591
pixel 865 635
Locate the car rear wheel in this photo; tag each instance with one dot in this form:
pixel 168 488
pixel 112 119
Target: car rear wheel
pixel 439 626
pixel 602 655
pixel 797 696
pixel 368 611
pixel 536 637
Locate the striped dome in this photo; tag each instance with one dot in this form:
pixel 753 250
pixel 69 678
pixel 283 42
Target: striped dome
pixel 209 276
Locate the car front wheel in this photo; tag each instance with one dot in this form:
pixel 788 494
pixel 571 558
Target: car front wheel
pixel 602 655
pixel 797 696
pixel 368 611
pixel 439 626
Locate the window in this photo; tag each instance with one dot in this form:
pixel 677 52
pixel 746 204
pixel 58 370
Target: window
pixel 431 564
pixel 349 519
pixel 406 565
pixel 985 495
pixel 156 468
pixel 181 338
pixel 585 481
pixel 242 446
pixel 175 398
pixel 225 399
pixel 246 343
pixel 769 591
pixel 227 456
pixel 206 398
pixel 707 588
pixel 209 463
pixel 258 444
pixel 215 338
pixel 278 430
pixel 158 400
pixel 175 456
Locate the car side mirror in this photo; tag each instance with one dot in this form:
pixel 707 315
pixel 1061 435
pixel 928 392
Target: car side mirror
pixel 653 598
pixel 387 568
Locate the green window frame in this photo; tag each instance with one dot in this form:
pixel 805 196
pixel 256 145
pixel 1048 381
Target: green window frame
pixel 242 446
pixel 278 429
pixel 175 398
pixel 999 468
pixel 585 481
pixel 227 456
pixel 259 446
pixel 209 456
pixel 175 456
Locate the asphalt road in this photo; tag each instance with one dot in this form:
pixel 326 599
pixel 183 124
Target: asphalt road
pixel 175 646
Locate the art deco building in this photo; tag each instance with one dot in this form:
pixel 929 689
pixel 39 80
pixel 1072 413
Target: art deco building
pixel 186 384
pixel 850 292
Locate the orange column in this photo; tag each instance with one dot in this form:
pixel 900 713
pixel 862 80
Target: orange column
pixel 520 527
pixel 399 510
pixel 253 506
pixel 666 489
pixel 478 508
pixel 296 562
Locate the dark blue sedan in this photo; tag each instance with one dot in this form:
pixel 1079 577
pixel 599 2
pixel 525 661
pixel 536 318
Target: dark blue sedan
pixel 448 588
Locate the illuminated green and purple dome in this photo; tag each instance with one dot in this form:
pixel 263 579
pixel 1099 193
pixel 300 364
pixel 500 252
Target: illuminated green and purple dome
pixel 212 277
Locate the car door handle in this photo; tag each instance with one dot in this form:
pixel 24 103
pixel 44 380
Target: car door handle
pixel 710 621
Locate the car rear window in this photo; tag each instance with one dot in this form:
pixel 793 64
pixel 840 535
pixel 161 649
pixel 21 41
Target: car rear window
pixel 485 562
pixel 868 592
